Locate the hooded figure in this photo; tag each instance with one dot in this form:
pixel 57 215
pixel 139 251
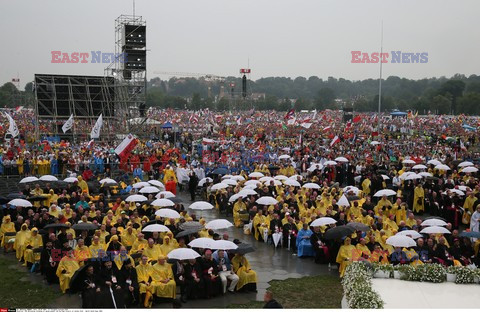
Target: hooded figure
pixel 22 236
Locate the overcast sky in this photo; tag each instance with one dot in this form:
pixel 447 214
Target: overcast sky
pixel 279 37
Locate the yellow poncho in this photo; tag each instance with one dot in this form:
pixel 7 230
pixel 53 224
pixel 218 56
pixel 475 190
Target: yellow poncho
pixel 241 267
pixel 70 265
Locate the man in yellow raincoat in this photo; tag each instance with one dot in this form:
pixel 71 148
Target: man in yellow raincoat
pixel 7 227
pixel 246 276
pixel 163 279
pixel 22 236
pixel 418 199
pixel 144 275
pixel 66 268
pixel 34 241
pixel 152 251
pixel 345 255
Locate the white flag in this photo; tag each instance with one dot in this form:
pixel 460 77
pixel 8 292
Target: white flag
pixel 95 134
pixel 12 128
pixel 68 124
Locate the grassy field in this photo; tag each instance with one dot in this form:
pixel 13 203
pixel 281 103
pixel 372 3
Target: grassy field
pixel 321 292
pixel 15 293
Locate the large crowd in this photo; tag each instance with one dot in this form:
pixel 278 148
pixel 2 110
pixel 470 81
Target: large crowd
pixel 309 182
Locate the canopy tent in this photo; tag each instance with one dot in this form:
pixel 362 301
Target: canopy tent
pixel 167 125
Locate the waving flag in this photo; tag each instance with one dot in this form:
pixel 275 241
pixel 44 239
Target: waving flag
pixel 126 147
pixel 12 128
pixel 239 120
pixel 335 140
pixel 95 134
pixel 357 118
pixel 289 114
pixel 68 124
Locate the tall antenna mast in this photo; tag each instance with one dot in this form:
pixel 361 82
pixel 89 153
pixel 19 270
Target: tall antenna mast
pixel 133 8
pixel 380 81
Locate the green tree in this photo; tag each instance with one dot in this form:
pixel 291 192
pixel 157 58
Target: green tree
pixel 455 88
pixel 325 97
pixel 442 103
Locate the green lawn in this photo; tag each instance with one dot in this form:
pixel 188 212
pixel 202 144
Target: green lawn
pixel 15 293
pixel 320 292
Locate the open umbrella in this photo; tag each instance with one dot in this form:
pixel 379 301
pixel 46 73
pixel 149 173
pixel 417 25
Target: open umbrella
pixel 401 241
pixel 265 179
pixel 29 180
pixel 167 213
pixel 442 167
pixel 341 159
pixel 330 163
pixel 155 228
pixel 252 182
pixel 311 186
pixel 408 162
pixel 85 226
pixel 434 222
pixel 385 192
pixel 234 197
pixel 323 221
pixel 412 233
pixel 280 177
pixel 353 189
pixel 165 194
pixel 284 157
pixel 108 181
pixel 77 281
pixel 385 177
pixel 15 196
pixel 434 162
pixel 163 202
pixel 218 224
pixel 219 186
pixel 250 186
pixel 230 182
pixel 48 178
pixel 176 200
pixel 222 244
pixel 136 198
pixel 183 254
pixel 20 203
pixel 465 164
pixel 56 226
pixel 139 185
pixel 186 233
pixel 220 171
pixel 70 180
pixel 201 205
pixel 149 190
pixel 343 201
pixel 255 175
pixel 435 230
pixel 471 234
pixel 419 167
pixel 413 177
pixel 244 248
pixel 357 226
pixel 156 183
pixel 238 178
pixel 338 232
pixel 266 200
pixel 469 169
pixel 202 242
pixel 191 225
pixel 291 182
pixel 247 192
pixel 425 174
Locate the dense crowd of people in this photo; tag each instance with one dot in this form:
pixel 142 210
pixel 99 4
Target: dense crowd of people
pixel 323 188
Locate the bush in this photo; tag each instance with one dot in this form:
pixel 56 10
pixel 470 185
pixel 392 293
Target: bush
pixel 434 273
pixel 357 287
pixel 464 275
pixel 411 273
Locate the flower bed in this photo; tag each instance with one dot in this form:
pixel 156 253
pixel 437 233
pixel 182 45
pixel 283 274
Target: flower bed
pixel 357 287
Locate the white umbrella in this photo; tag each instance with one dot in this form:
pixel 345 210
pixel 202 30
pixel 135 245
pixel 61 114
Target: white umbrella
pixel 385 177
pixel 434 222
pixel 341 159
pixel 434 162
pixel 457 191
pixel 155 228
pixel 167 213
pixel 201 205
pixel 401 241
pixel 284 157
pixel 234 197
pixel 465 164
pixel 230 182
pixel 219 186
pixel 291 182
pixel 408 162
pixel 375 143
pixel 280 177
pixel 275 182
pixel 405 174
pixel 353 189
pixel 267 200
pixel 227 176
pixel 108 181
pixel 156 183
pixel 218 224
pixel 412 233
pixel 311 186
pixel 205 180
pixel 222 244
pixel 296 177
pixel 139 185
pixel 162 202
pixel 442 167
pixel 247 192
pixel 136 198
pixel 165 194
pixel 330 163
pixel 323 221
pixel 386 192
pixel 469 169
pixel 202 242
pixel 265 179
pixel 70 180
pixel 419 167
pixel 149 190
pixel 29 180
pixel 255 175
pixel 413 177
pixel 435 230
pixel 183 254
pixel 343 201
pixel 238 178
pixel 462 188
pixel 250 186
pixel 314 167
pixel 48 178
pixel 425 174
pixel 252 182
pixel 18 202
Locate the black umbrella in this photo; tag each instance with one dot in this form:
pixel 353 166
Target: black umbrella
pixel 357 226
pixel 77 281
pixel 85 226
pixel 3 200
pixel 15 196
pixel 244 248
pixel 186 233
pixel 56 226
pixel 338 232
pixel 191 225
pixel 36 198
pixel 176 200
pixel 352 198
pixel 273 167
pixel 220 171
